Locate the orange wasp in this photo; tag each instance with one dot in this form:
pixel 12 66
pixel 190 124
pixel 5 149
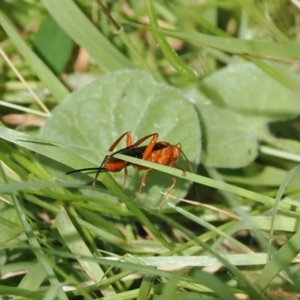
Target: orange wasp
pixel 162 153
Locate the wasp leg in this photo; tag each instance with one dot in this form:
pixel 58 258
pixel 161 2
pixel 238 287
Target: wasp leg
pixel 125 176
pixel 143 183
pixel 168 192
pixel 177 167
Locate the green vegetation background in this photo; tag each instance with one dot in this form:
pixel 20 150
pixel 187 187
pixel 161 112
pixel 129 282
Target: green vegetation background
pixel 219 77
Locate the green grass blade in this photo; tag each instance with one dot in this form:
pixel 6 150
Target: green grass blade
pixel 264 21
pixel 77 246
pixel 279 262
pixel 144 292
pixel 26 185
pixel 11 291
pixel 239 46
pixel 250 259
pixel 169 290
pixel 279 195
pixel 34 278
pixel 222 291
pixel 166 49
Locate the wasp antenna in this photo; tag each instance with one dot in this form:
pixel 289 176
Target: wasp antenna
pixel 99 170
pixel 190 165
pixel 79 170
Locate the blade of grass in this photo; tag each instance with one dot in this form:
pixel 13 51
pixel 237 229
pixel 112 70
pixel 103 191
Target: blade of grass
pixel 77 246
pixel 145 289
pixel 282 223
pixel 279 262
pixel 251 259
pixel 279 153
pixel 24 109
pixel 16 186
pixel 34 278
pixel 183 69
pixel 208 226
pixel 21 78
pixel 264 49
pixel 93 204
pixel 279 195
pixel 215 284
pixel 256 14
pixel 169 290
pixel 10 291
pixel 108 237
pixel 287 252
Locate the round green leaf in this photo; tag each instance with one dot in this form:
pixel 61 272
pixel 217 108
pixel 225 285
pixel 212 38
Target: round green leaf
pixel 92 118
pixel 247 89
pixel 236 106
pixel 228 142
